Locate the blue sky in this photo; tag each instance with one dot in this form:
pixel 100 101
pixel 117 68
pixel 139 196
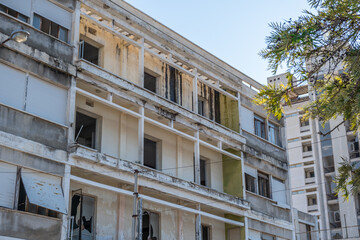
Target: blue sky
pixel 232 30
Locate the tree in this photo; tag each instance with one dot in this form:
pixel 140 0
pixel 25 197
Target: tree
pixel 313 49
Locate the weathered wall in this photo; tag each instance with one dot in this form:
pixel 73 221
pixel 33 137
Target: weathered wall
pixel 38 40
pixel 28 226
pixel 229 113
pixel 215 165
pixel 255 226
pixel 30 127
pixel 232 176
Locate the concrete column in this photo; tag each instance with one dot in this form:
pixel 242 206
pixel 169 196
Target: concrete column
pixel 66 189
pixel 179 162
pixel 197 158
pixel 198 235
pixel 120 217
pixel 123 132
pixel 195 92
pixel 141 62
pixel 239 107
pixel 180 224
pixel 71 109
pixel 141 136
pixel 75 31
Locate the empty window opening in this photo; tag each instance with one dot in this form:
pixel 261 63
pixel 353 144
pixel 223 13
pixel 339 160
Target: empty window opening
pixel 150 226
pixel 264 185
pixel 49 27
pixel 259 124
pixel 89 52
pixel 14 13
pixel 85 130
pixel 274 134
pixel 201 107
pixel 250 183
pixel 150 82
pixel 173 83
pixel 217 106
pixel 307 147
pixel 205 172
pixel 311 200
pixel 150 153
pixel 205 232
pixel 83 217
pixel 267 237
pixel 304 123
pixel 309 173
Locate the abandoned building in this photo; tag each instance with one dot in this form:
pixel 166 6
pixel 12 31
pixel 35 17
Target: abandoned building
pixel 102 102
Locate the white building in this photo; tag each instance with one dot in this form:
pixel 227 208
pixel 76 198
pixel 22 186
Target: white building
pixel 314 160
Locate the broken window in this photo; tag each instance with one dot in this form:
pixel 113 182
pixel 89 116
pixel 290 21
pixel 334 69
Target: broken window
pixel 150 82
pixel 49 27
pixel 250 183
pixel 205 172
pixel 259 124
pixel 150 153
pixel 263 185
pixel 14 13
pixel 274 135
pixel 40 193
pixel 85 130
pixel 83 217
pixel 150 226
pixel 205 232
pixel 89 52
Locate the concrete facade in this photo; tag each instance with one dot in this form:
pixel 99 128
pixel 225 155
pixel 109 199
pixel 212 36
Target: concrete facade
pixel 101 91
pixel 314 160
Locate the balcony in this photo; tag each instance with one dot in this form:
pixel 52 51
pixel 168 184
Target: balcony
pixel 313 208
pixel 304 128
pixel 156 177
pixel 310 180
pixel 33 227
pixel 307 154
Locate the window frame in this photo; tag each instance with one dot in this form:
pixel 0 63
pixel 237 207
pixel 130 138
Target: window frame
pixel 209 227
pixel 159 218
pixel 158 151
pixel 6 8
pixel 98 127
pixel 262 126
pixel 51 23
pixel 260 177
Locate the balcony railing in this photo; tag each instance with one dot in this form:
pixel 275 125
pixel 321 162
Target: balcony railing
pixel 307 154
pixel 304 128
pixel 329 169
pixel 310 180
pixel 312 208
pixel 332 196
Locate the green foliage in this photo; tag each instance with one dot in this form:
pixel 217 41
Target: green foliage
pixel 322 49
pixel 348 179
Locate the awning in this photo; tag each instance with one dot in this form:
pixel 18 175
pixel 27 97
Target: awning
pixel 44 190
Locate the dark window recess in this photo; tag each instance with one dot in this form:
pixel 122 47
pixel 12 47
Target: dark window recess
pixel 250 183
pixel 217 106
pixel 205 232
pixel 82 212
pixel 150 153
pixel 89 52
pixel 26 206
pixel 264 185
pixel 308 232
pixel 85 130
pixel 49 27
pixel 259 126
pixel 150 226
pixel 173 83
pixel 150 82
pixel 14 13
pixel 203 172
pixel 201 109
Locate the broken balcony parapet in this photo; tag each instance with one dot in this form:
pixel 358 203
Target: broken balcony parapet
pixel 95 157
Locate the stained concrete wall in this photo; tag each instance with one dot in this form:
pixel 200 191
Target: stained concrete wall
pixel 33 128
pixel 28 226
pixel 256 226
pixel 38 40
